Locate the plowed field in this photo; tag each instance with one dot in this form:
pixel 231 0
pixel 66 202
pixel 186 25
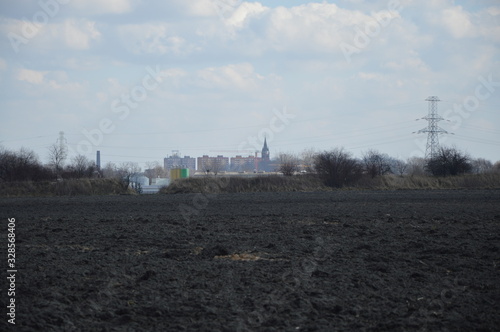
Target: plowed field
pixel 334 261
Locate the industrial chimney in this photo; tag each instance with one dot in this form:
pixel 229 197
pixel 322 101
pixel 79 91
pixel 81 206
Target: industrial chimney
pixel 98 160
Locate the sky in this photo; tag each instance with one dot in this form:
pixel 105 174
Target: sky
pixel 138 79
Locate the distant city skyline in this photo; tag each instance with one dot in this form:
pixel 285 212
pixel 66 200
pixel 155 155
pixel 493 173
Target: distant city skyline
pixel 258 161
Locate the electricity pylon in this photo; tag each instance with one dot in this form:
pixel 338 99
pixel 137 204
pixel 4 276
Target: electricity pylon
pixel 432 129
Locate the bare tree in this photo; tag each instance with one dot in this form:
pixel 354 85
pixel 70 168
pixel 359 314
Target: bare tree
pixel 22 166
pixel 154 170
pixel 449 161
pixel 376 163
pixel 81 167
pixel 214 166
pixel 496 167
pixel 127 171
pixel 399 166
pixel 57 156
pixel 416 166
pixel 480 166
pixel 337 168
pixel 110 170
pixel 308 156
pixel 288 164
pixel 160 172
pixel 150 171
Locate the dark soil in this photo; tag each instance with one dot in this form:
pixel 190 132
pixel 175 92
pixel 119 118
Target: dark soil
pixel 329 261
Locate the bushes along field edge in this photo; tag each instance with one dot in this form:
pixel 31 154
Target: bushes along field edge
pixel 273 183
pixel 312 182
pixel 70 187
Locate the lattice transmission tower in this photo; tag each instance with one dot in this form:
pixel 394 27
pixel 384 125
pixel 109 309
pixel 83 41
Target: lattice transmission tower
pixel 432 129
pixel 62 143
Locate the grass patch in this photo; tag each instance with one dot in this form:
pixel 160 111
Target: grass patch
pixel 214 185
pixel 395 182
pixel 70 187
pixel 271 183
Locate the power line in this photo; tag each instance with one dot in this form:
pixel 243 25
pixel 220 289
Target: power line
pixel 477 140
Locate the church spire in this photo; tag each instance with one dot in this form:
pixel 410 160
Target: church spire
pixel 265 150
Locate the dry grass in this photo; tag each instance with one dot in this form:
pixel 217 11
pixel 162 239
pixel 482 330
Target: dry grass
pixel 312 183
pixel 240 257
pixel 275 183
pixel 71 187
pixel 248 257
pixel 394 182
pixel 236 184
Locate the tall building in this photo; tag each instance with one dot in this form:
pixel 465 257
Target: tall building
pixel 176 161
pixel 213 164
pixel 245 164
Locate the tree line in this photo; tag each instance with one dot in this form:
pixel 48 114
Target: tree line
pixel 24 165
pixel 339 168
pixel 336 167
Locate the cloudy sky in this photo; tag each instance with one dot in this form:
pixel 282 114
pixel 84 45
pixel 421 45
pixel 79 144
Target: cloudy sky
pixel 137 79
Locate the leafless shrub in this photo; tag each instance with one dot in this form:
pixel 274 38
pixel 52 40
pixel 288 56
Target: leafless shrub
pixel 110 171
pixel 214 166
pixel 496 167
pixel 481 166
pixel 22 166
pixel 57 156
pixel 127 171
pixel 376 163
pixel 416 166
pixel 288 164
pixel 449 161
pixel 337 168
pixel 267 183
pixel 81 167
pixel 399 167
pixel 69 187
pixel 466 181
pixel 307 160
pixel 154 170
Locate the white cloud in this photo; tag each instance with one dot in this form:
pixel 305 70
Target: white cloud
pixel 461 23
pixel 102 97
pixel 115 87
pixel 486 22
pixel 410 63
pixel 240 76
pixel 53 82
pixel 173 73
pixel 3 64
pixel 245 12
pixel 79 34
pixel 201 7
pixel 312 26
pixel 31 76
pixel 78 63
pixel 370 76
pixel 102 7
pixel 176 76
pixel 71 33
pixel 458 22
pixel 493 11
pixel 153 38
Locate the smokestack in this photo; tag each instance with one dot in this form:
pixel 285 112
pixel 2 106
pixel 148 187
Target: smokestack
pixel 98 160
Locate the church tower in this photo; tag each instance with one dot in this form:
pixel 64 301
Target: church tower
pixel 265 151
